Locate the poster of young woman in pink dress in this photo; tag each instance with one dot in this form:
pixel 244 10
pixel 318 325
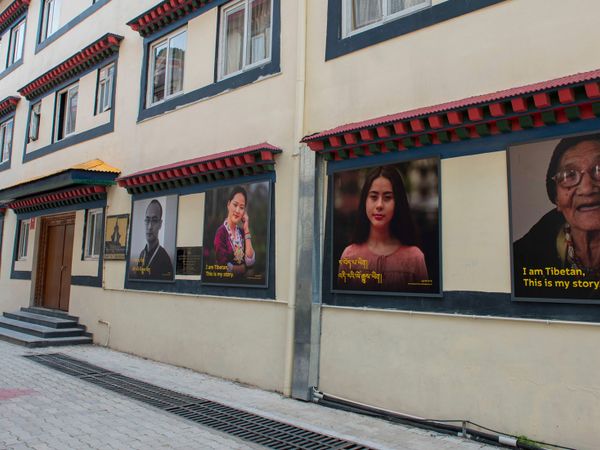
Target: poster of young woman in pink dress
pixel 386 228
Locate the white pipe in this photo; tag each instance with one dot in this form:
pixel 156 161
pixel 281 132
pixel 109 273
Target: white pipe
pixel 298 134
pixel 104 322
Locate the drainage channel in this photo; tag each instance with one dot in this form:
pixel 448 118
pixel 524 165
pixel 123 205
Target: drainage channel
pixel 241 424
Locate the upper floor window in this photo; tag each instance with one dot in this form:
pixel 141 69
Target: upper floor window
pixel 16 43
pixel 360 15
pixel 93 234
pixel 34 121
pixel 6 135
pixel 50 18
pixel 66 111
pixel 104 91
pixel 246 36
pixel 166 67
pixel 23 240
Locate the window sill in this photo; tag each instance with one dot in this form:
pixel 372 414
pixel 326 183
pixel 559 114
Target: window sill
pixel 233 82
pixel 5 165
pixel 11 68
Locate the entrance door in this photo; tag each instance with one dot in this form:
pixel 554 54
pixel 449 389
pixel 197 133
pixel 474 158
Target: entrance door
pixel 57 241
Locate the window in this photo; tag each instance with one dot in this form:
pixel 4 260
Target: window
pixel 17 39
pixel 246 36
pixel 34 121
pixel 66 112
pixel 50 19
pixel 104 91
pixel 166 67
pixel 360 15
pixel 23 240
pixel 6 135
pixel 93 234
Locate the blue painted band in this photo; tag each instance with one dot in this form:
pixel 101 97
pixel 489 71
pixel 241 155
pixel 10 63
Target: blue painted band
pixel 20 275
pixel 337 46
pixel 244 78
pixel 10 69
pixel 66 27
pixel 82 280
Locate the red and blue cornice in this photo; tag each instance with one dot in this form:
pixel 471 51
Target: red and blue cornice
pixel 163 14
pixel 253 160
pixel 12 13
pixel 88 57
pixel 559 101
pixel 8 106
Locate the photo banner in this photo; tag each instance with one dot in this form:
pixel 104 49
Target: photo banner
pixel 115 237
pixel 236 235
pixel 555 219
pixel 153 234
pixel 385 235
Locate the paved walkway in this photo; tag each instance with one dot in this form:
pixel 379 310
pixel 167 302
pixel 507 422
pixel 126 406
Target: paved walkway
pixel 41 408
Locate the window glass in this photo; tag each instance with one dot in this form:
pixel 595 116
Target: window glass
pixel 23 240
pixel 34 124
pixel 50 20
pixel 364 14
pixel 66 112
pixel 93 235
pixel 17 39
pixel 6 139
pixel 246 38
pixel 105 83
pixel 167 67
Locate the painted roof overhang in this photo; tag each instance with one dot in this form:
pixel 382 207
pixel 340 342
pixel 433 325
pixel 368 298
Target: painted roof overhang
pixel 91 55
pixel 12 13
pixel 163 14
pixel 253 160
pixel 77 184
pixel 562 100
pixel 8 105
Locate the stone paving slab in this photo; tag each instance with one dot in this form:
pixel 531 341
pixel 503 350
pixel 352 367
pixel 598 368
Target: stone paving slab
pixel 43 409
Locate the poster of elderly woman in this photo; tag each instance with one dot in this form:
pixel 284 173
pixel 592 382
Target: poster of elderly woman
pixel 236 235
pixel 555 219
pixel 386 229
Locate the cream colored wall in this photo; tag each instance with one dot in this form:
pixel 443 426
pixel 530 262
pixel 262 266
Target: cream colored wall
pixel 199 63
pixel 79 266
pixel 532 378
pixel 494 48
pixel 238 339
pixel 475 232
pixel 13 293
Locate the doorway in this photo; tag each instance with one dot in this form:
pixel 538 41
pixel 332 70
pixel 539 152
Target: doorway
pixel 53 287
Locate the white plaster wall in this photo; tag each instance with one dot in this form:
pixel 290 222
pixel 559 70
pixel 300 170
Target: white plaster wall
pixel 13 293
pixel 190 221
pixel 214 335
pixel 538 379
pixel 69 9
pixel 199 61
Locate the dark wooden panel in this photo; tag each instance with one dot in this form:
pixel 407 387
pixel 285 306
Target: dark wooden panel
pixel 53 266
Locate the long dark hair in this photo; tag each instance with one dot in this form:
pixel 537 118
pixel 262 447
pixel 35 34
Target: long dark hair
pixel 401 225
pixel 238 190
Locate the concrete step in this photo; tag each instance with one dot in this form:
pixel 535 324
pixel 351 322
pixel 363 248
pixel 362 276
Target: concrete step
pixel 50 312
pixel 39 319
pixel 39 330
pixel 28 340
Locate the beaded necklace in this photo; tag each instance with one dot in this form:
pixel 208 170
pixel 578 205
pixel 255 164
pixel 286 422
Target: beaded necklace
pixel 573 259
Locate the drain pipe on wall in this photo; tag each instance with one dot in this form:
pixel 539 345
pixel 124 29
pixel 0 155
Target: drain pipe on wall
pixel 463 430
pixel 298 134
pixel 104 322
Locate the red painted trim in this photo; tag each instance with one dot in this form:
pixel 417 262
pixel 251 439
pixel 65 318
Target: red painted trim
pixel 12 12
pixel 542 100
pixel 163 14
pixel 8 105
pixel 475 114
pixel 73 193
pixel 497 110
pixel 92 54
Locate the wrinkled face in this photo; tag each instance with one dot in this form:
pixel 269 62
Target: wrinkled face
pixel 153 222
pixel 236 208
pixel 380 203
pixel 580 204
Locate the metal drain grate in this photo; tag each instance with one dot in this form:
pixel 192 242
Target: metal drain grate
pixel 242 424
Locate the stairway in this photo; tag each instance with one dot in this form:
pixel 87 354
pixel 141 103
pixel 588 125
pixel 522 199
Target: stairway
pixel 40 327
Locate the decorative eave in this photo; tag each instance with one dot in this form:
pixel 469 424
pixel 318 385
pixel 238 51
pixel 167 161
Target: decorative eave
pixel 72 66
pixel 163 14
pixel 2 210
pixel 8 105
pixel 558 101
pixel 92 173
pixel 12 13
pixel 253 160
pixel 65 197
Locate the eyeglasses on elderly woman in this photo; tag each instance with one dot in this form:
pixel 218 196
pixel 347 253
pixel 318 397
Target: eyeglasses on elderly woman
pixel 569 177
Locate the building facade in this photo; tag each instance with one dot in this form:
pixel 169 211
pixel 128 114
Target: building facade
pixel 353 196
